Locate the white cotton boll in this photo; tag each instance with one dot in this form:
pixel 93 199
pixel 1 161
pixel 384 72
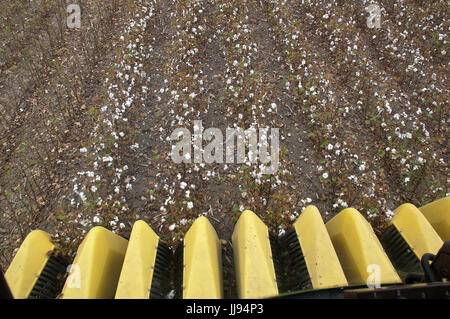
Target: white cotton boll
pixel 190 205
pixel 83 197
pixel 389 214
pixel 172 227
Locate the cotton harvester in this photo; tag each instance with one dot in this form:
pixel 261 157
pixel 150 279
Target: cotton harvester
pixel 342 258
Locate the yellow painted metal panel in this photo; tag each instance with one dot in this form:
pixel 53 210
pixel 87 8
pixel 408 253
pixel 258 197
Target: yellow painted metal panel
pixel 202 259
pixel 255 271
pixel 416 230
pixel 98 263
pixel 438 214
pixel 137 271
pixel 321 259
pixel 358 248
pixel 28 263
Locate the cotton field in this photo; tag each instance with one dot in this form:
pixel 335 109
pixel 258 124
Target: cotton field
pixel 362 113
